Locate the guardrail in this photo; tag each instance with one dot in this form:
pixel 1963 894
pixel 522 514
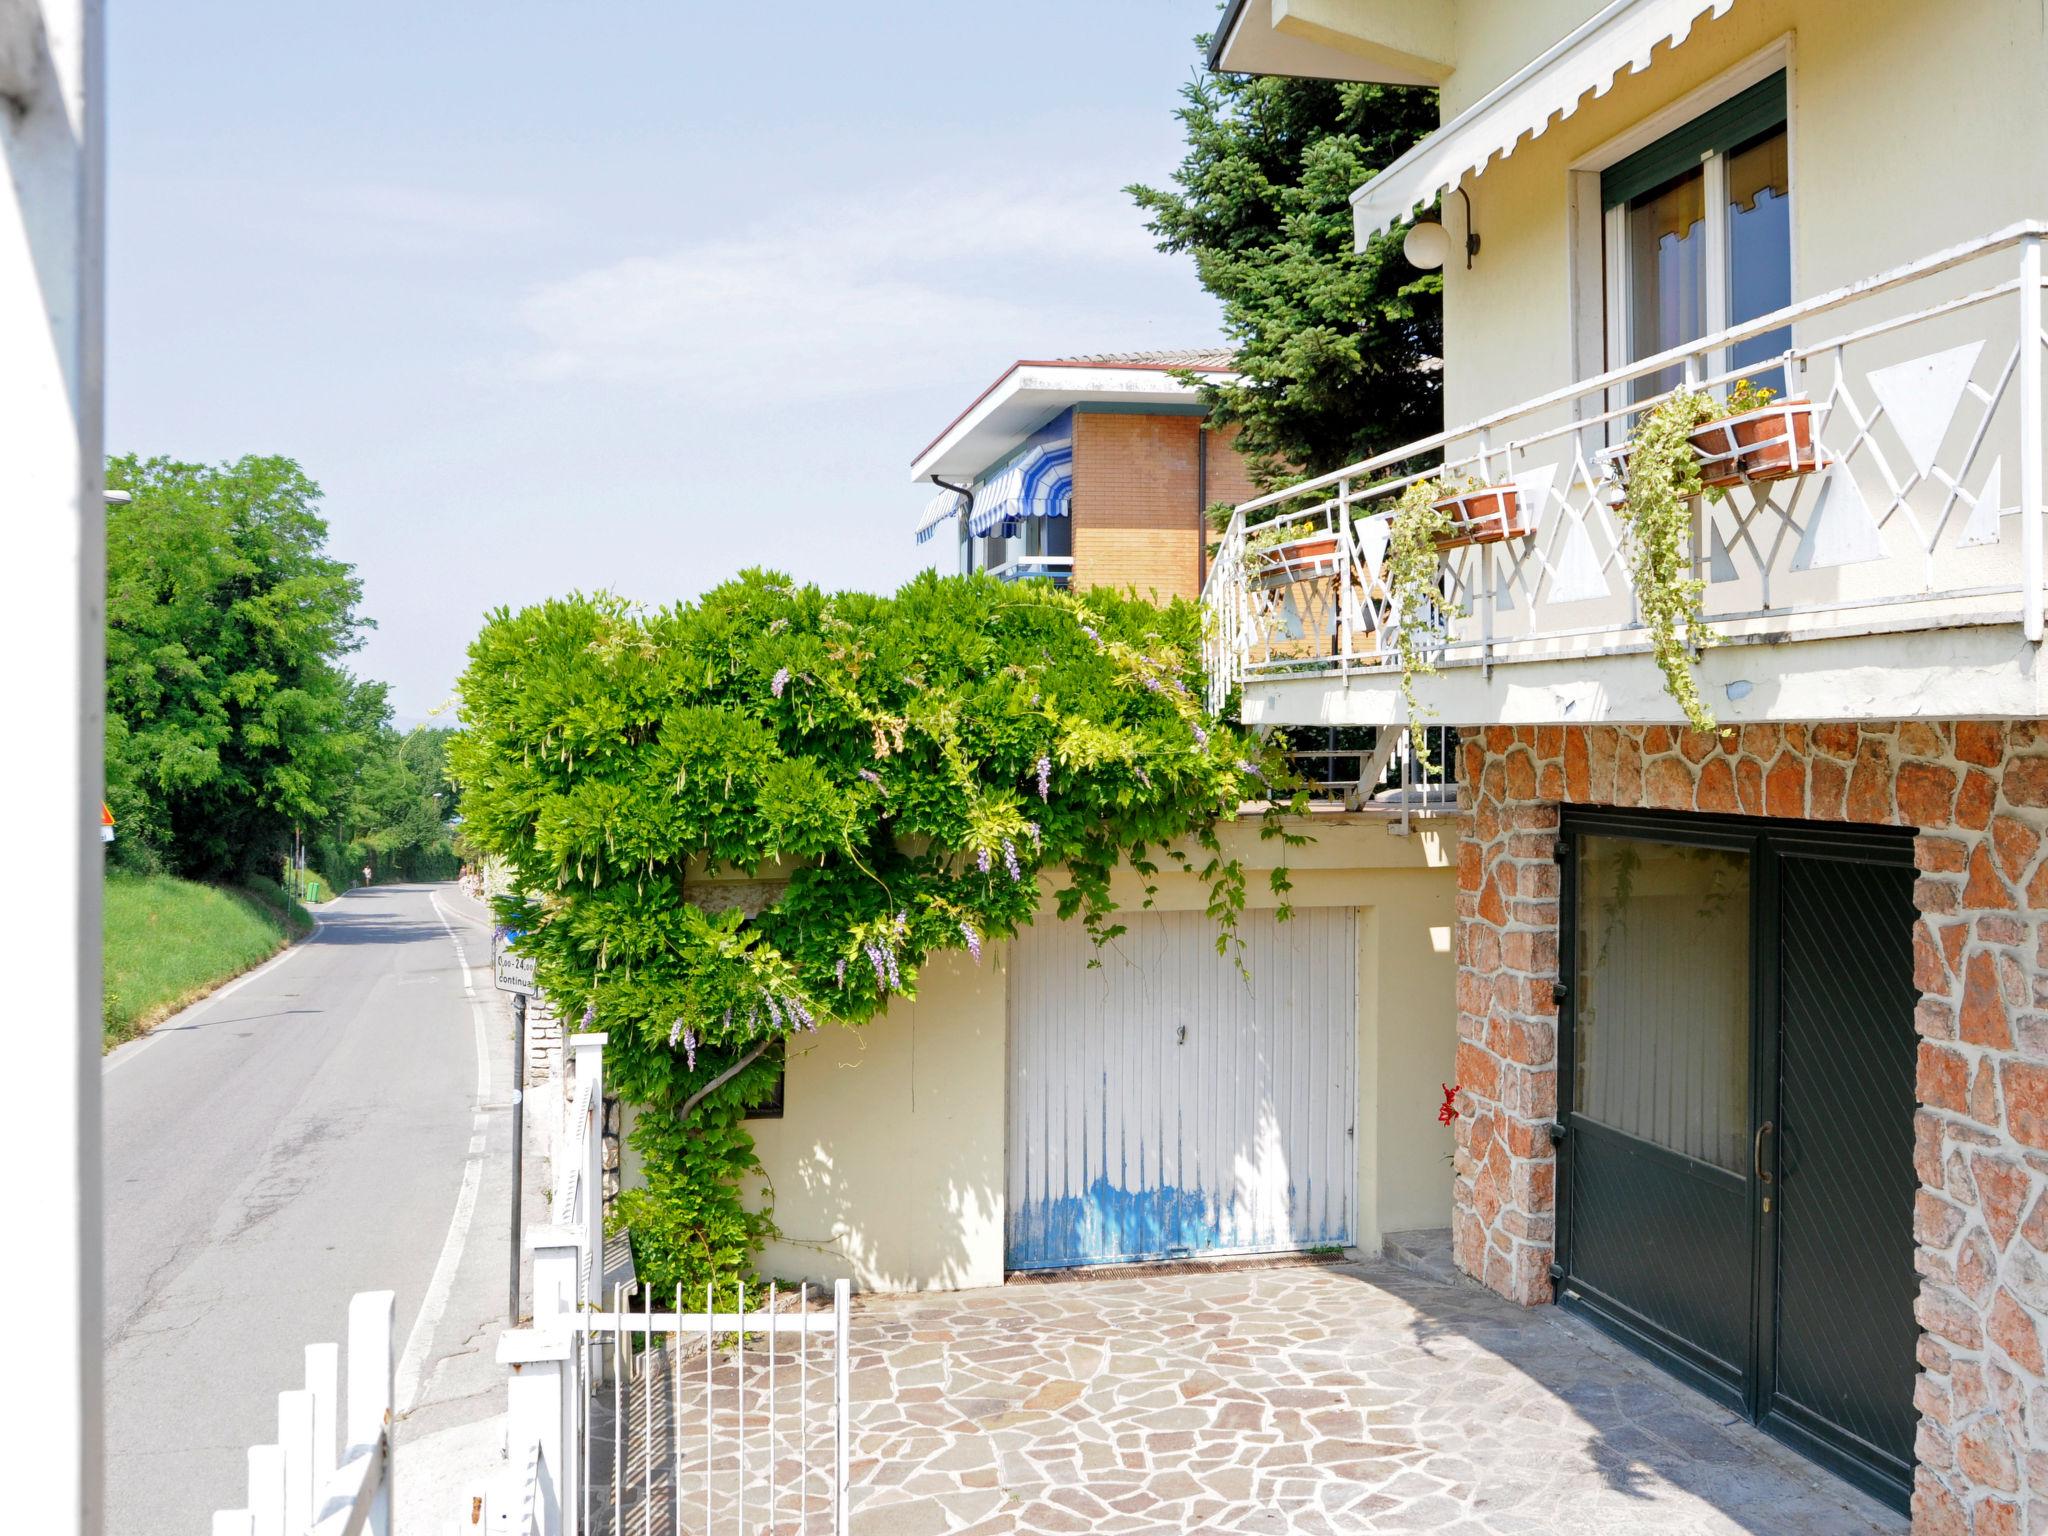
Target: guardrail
pixel 306 1485
pixel 1927 409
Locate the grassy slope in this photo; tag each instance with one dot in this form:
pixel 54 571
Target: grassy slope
pixel 169 942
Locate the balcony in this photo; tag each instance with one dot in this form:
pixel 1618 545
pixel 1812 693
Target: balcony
pixel 1057 569
pixel 1901 577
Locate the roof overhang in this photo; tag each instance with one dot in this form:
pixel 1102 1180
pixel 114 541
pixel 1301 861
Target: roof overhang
pixel 1393 42
pixel 1030 394
pixel 1583 66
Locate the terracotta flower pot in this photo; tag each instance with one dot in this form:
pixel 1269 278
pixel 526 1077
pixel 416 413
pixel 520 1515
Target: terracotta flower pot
pixel 1487 515
pixel 1299 559
pixel 1771 442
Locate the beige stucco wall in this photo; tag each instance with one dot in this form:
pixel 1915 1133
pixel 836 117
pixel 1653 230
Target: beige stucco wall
pixel 887 1166
pixel 1903 141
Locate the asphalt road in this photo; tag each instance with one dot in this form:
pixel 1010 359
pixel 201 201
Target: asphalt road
pixel 336 1122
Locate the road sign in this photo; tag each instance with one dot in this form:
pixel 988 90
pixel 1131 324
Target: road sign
pixel 514 973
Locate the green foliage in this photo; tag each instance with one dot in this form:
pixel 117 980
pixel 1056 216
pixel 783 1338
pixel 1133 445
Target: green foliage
pixel 1332 343
pixel 229 717
pixel 394 813
pixel 911 764
pixel 1414 580
pixel 168 942
pixel 1657 510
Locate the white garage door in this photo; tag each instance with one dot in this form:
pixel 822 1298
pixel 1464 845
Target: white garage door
pixel 1163 1106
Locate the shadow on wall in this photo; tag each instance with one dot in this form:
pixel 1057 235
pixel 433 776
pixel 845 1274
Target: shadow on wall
pixel 887 1166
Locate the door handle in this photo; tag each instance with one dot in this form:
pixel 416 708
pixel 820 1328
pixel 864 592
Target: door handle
pixel 1763 1174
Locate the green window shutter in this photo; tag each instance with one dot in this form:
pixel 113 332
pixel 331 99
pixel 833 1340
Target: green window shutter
pixel 1716 131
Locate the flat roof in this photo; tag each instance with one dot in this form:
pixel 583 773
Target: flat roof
pixel 1031 391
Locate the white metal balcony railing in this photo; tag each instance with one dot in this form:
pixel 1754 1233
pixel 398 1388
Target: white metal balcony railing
pixel 1055 568
pixel 1928 411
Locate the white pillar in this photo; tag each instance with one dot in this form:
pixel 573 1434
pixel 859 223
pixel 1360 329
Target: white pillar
pixel 52 551
pixel 540 1406
pixel 587 1051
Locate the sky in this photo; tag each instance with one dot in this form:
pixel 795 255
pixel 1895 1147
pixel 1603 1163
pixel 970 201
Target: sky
pixel 620 295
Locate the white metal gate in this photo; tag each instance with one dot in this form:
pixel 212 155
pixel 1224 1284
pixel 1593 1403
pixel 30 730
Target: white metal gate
pixel 1161 1105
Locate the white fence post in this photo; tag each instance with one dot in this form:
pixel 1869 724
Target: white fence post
pixel 588 1052
pixel 295 1439
pixel 371 1365
pixel 557 1261
pixel 323 1381
pixel 266 1490
pixel 538 1412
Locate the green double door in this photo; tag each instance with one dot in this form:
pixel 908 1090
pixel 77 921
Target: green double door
pixel 1736 1101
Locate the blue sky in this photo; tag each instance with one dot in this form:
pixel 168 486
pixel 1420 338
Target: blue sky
pixel 620 295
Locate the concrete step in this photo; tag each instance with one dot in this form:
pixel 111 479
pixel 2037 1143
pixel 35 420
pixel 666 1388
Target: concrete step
pixel 1425 1251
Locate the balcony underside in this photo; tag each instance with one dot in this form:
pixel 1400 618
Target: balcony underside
pixel 1965 670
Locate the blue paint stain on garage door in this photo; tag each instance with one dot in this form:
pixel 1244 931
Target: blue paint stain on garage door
pixel 1160 1106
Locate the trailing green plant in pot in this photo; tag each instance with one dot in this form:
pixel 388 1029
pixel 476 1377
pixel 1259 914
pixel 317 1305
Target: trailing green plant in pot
pixel 1660 479
pixel 1413 572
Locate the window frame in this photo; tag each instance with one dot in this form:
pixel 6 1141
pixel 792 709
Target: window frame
pixel 1592 247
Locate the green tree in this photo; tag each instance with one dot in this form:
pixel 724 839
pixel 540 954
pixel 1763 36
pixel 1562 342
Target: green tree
pixel 229 715
pixel 1338 348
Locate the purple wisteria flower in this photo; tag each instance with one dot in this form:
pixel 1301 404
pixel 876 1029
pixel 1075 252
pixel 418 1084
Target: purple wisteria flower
pixel 1044 778
pixel 799 1014
pixel 1089 631
pixel 895 977
pixel 839 972
pixel 675 1033
pixel 1201 738
pixel 589 1015
pixel 1037 837
pixel 1152 685
pixel 981 861
pixel 973 942
pixel 690 1048
pixel 774 1011
pixel 1144 778
pixel 874 952
pixel 780 681
pixel 1010 861
pixel 873 778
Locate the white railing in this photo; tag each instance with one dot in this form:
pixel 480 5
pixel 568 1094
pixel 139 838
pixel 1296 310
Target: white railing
pixel 1058 568
pixel 623 1419
pixel 304 1485
pixel 1927 402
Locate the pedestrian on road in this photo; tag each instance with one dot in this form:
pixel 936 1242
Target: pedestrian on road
pixel 366 874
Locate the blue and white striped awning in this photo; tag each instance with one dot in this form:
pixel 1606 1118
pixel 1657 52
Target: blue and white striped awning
pixel 1039 483
pixel 942 506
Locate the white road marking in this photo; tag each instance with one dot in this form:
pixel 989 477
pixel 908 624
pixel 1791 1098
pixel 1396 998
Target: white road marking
pixel 412 1363
pixel 121 1055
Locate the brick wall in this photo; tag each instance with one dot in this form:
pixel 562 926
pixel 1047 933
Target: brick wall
pixel 1978 794
pixel 1135 521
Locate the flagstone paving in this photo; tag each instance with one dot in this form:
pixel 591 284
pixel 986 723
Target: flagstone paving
pixel 1327 1398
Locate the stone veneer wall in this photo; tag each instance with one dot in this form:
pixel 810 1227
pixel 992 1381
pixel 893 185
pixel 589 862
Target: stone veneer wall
pixel 1978 794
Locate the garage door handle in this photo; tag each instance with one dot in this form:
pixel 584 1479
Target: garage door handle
pixel 1763 1174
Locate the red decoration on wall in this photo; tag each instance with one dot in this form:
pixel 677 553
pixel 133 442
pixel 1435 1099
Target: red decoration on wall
pixel 1448 1111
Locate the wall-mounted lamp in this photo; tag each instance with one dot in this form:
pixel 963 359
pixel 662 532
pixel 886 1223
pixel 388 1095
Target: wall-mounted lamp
pixel 1428 244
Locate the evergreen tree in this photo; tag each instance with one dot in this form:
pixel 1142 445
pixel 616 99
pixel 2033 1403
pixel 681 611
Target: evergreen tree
pixel 1338 349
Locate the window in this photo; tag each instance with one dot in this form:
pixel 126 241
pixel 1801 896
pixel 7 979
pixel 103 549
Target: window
pixel 769 1105
pixel 1698 231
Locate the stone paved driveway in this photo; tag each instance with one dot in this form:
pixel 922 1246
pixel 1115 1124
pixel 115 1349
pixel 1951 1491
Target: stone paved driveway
pixel 1327 1398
